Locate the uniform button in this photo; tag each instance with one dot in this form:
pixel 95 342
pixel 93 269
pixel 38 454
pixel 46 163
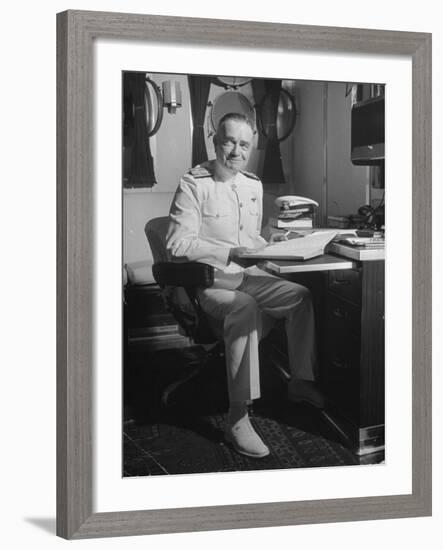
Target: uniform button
pixel 234 187
pixel 241 205
pixel 217 215
pixel 241 227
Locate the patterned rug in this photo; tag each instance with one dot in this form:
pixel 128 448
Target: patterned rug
pixel 185 444
pixel 187 437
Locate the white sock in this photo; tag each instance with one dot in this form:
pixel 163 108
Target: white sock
pixel 237 411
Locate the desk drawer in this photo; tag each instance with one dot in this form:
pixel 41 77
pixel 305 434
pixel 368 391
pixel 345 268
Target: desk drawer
pixel 341 374
pixel 343 334
pixel 342 348
pixel 343 316
pixel 343 357
pixel 346 283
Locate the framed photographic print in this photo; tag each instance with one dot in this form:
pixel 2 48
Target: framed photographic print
pixel 183 138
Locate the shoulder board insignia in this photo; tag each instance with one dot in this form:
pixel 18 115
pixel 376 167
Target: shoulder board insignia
pixel 200 172
pixel 250 175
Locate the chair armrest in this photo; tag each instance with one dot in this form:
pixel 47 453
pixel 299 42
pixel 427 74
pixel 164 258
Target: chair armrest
pixel 185 274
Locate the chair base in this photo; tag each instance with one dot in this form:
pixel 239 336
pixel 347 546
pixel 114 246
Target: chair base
pixel 200 364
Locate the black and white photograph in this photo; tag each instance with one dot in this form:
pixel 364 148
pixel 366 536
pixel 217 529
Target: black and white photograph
pixel 221 264
pixel 253 273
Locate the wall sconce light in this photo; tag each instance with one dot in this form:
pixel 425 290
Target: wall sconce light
pixel 172 95
pixel 156 99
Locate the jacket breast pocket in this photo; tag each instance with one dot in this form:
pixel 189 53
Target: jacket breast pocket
pixel 254 207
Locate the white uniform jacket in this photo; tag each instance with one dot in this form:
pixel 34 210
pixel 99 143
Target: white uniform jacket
pixel 209 217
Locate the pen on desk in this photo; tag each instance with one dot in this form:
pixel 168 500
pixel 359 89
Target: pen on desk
pixel 286 233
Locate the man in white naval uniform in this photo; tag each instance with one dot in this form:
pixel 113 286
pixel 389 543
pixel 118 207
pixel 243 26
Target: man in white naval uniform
pixel 216 215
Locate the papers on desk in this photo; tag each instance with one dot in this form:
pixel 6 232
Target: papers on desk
pixel 367 242
pixel 302 248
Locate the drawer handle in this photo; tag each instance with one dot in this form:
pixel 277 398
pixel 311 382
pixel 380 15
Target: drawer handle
pixel 337 312
pixel 340 364
pixel 342 282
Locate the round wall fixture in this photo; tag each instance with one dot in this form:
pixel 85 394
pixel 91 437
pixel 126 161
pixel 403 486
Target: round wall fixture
pixel 232 81
pixel 231 102
pixel 154 107
pixel 286 115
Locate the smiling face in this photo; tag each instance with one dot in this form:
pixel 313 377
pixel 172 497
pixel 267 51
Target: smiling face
pixel 233 144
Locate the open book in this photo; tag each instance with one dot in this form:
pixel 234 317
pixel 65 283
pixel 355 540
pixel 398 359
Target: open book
pixel 301 248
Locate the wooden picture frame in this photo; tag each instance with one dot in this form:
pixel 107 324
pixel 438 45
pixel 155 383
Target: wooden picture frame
pixel 76 32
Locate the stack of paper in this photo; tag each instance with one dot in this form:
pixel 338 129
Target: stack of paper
pixel 367 242
pixel 302 248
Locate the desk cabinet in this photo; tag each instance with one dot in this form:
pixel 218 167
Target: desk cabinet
pixel 352 352
pixel 347 286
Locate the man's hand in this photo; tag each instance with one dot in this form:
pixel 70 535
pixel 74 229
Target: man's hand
pixel 278 237
pixel 238 251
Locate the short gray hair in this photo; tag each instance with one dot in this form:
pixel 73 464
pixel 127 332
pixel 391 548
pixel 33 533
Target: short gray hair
pixel 237 117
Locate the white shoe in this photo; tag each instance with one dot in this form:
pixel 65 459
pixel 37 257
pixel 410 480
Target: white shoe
pixel 245 440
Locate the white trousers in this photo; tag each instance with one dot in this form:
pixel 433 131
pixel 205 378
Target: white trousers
pixel 245 315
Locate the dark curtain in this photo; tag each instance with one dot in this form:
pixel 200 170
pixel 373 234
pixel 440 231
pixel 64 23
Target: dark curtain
pixel 272 168
pixel 199 91
pixel 259 92
pixel 138 164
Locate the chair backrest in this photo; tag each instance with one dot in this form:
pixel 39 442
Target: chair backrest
pixel 181 301
pixel 156 230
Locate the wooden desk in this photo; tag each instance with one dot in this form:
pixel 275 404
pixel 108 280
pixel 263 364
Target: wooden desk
pixel 350 318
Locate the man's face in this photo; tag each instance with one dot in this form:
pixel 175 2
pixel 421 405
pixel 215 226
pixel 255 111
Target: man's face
pixel 233 144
